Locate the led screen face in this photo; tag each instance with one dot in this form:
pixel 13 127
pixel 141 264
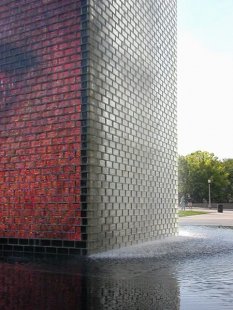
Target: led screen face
pixel 40 126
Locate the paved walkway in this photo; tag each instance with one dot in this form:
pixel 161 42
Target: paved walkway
pixel 212 218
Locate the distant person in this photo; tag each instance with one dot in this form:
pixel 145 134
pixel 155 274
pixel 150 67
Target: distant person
pixel 204 201
pixel 190 204
pixel 182 203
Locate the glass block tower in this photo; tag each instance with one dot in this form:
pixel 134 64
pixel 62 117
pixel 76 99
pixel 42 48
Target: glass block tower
pixel 88 124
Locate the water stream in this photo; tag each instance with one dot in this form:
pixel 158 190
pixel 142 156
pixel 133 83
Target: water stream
pixel 191 271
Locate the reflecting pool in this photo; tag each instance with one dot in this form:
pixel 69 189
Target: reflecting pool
pixel 191 271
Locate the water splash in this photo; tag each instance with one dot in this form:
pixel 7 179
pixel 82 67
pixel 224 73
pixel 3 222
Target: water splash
pixel 191 241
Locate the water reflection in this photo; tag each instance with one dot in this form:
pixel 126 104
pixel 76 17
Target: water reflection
pixel 86 285
pixel 210 283
pixel 27 287
pixel 193 271
pixel 132 285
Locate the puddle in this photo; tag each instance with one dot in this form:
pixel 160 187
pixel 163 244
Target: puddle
pixel 191 271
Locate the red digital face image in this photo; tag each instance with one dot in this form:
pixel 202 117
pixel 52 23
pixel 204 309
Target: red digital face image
pixel 40 119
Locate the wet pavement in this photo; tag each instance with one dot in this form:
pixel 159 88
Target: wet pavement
pixel 191 271
pixel 212 218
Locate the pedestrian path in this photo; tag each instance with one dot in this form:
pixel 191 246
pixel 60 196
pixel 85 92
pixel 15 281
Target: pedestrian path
pixel 212 218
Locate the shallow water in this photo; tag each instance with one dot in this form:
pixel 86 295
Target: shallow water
pixel 191 271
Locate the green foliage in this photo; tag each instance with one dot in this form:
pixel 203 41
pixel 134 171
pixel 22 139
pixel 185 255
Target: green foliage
pixel 228 166
pixel 190 213
pixel 194 172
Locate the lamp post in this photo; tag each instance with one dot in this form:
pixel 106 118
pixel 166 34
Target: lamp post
pixel 209 182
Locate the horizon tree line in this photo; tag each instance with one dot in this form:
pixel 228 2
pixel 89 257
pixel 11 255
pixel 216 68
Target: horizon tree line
pixel 194 171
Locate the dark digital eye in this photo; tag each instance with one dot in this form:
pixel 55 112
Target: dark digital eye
pixel 14 59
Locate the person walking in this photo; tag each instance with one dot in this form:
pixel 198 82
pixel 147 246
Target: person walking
pixel 190 203
pixel 182 203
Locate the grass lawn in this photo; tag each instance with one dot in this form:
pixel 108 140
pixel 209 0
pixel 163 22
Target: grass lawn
pixel 190 212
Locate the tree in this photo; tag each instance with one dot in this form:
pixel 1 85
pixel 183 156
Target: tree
pixel 228 165
pixel 196 169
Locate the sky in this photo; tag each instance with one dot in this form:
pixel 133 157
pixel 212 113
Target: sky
pixel 205 77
